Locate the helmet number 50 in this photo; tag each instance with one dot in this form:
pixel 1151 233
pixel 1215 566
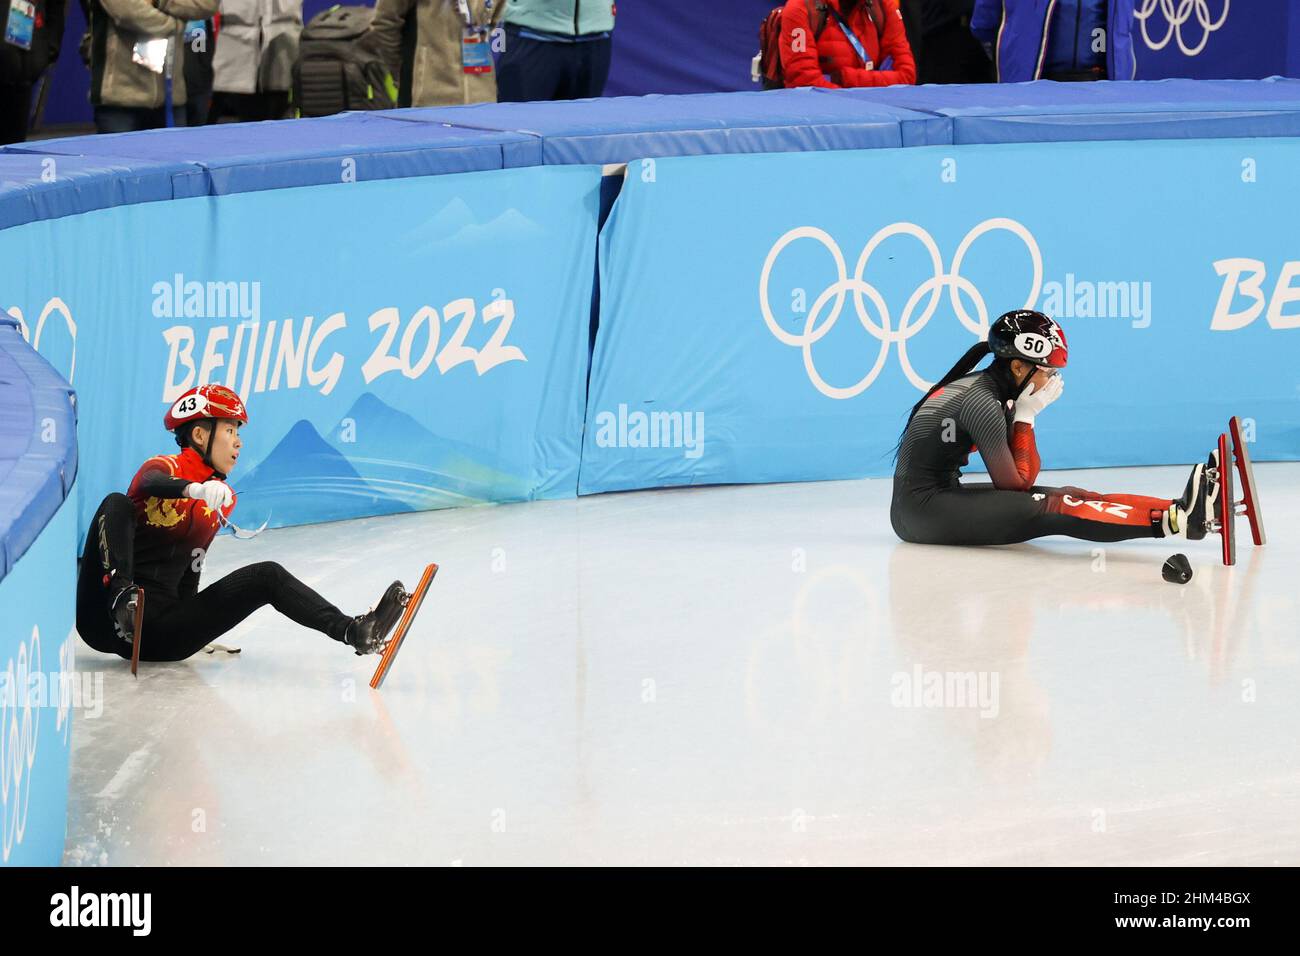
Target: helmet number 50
pixel 1027 343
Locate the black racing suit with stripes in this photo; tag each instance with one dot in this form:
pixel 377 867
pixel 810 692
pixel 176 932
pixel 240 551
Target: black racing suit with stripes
pixel 932 506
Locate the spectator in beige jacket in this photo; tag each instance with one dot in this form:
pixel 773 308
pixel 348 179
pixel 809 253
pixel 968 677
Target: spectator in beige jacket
pixel 440 50
pixel 136 45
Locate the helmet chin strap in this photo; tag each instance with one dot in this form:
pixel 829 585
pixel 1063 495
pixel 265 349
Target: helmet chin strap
pixel 1025 384
pixel 207 452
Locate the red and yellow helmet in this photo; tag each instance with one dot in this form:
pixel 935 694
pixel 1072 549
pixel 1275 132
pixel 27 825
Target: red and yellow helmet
pixel 206 401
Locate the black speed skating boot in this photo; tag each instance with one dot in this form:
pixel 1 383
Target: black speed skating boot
pixel 1200 498
pixel 1193 488
pixel 368 632
pixel 1180 508
pixel 122 609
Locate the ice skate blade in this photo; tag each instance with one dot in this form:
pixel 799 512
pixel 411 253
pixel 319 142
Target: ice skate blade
pixel 1227 511
pixel 1246 475
pixel 411 608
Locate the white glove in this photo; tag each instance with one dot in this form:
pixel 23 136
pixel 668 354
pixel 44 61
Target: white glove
pixel 1032 401
pixel 215 494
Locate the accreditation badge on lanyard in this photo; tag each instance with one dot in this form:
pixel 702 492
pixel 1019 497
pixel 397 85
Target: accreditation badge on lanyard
pixel 21 25
pixel 475 51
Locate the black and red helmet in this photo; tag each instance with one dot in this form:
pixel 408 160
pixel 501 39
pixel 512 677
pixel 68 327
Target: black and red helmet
pixel 1029 336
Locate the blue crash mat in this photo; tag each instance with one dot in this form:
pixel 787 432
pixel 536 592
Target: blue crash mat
pixel 246 157
pixel 35 474
pixel 618 129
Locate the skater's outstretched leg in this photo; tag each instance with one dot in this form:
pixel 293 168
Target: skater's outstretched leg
pixel 985 515
pixel 1136 510
pixel 179 628
pixel 176 629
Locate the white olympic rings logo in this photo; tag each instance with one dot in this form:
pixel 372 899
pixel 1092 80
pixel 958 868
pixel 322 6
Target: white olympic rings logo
pixel 1176 13
pixel 34 337
pixel 19 727
pixel 815 327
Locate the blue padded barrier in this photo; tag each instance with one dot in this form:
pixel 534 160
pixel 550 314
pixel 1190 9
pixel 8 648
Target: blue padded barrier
pixel 618 129
pixel 248 157
pixel 38 443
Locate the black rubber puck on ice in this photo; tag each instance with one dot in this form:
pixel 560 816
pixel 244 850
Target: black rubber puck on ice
pixel 1177 570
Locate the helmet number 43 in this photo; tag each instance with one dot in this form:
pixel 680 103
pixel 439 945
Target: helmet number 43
pixel 189 405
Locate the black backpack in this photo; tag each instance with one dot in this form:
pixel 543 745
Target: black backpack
pixel 767 65
pixel 334 71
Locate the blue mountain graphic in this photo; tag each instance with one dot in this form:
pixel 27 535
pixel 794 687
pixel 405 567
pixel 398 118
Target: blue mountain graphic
pixel 398 455
pixel 304 480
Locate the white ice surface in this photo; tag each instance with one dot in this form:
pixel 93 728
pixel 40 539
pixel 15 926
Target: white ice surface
pixel 712 676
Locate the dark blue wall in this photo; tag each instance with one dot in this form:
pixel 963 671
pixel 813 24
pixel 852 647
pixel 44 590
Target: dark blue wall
pixel 687 46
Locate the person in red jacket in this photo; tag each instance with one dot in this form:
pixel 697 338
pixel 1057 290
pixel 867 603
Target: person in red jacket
pixel 156 535
pixel 845 43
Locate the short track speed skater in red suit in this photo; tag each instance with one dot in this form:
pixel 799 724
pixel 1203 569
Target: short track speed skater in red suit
pixel 993 411
pixel 138 587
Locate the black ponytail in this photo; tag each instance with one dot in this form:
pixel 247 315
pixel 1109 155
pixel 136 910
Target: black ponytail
pixel 964 365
